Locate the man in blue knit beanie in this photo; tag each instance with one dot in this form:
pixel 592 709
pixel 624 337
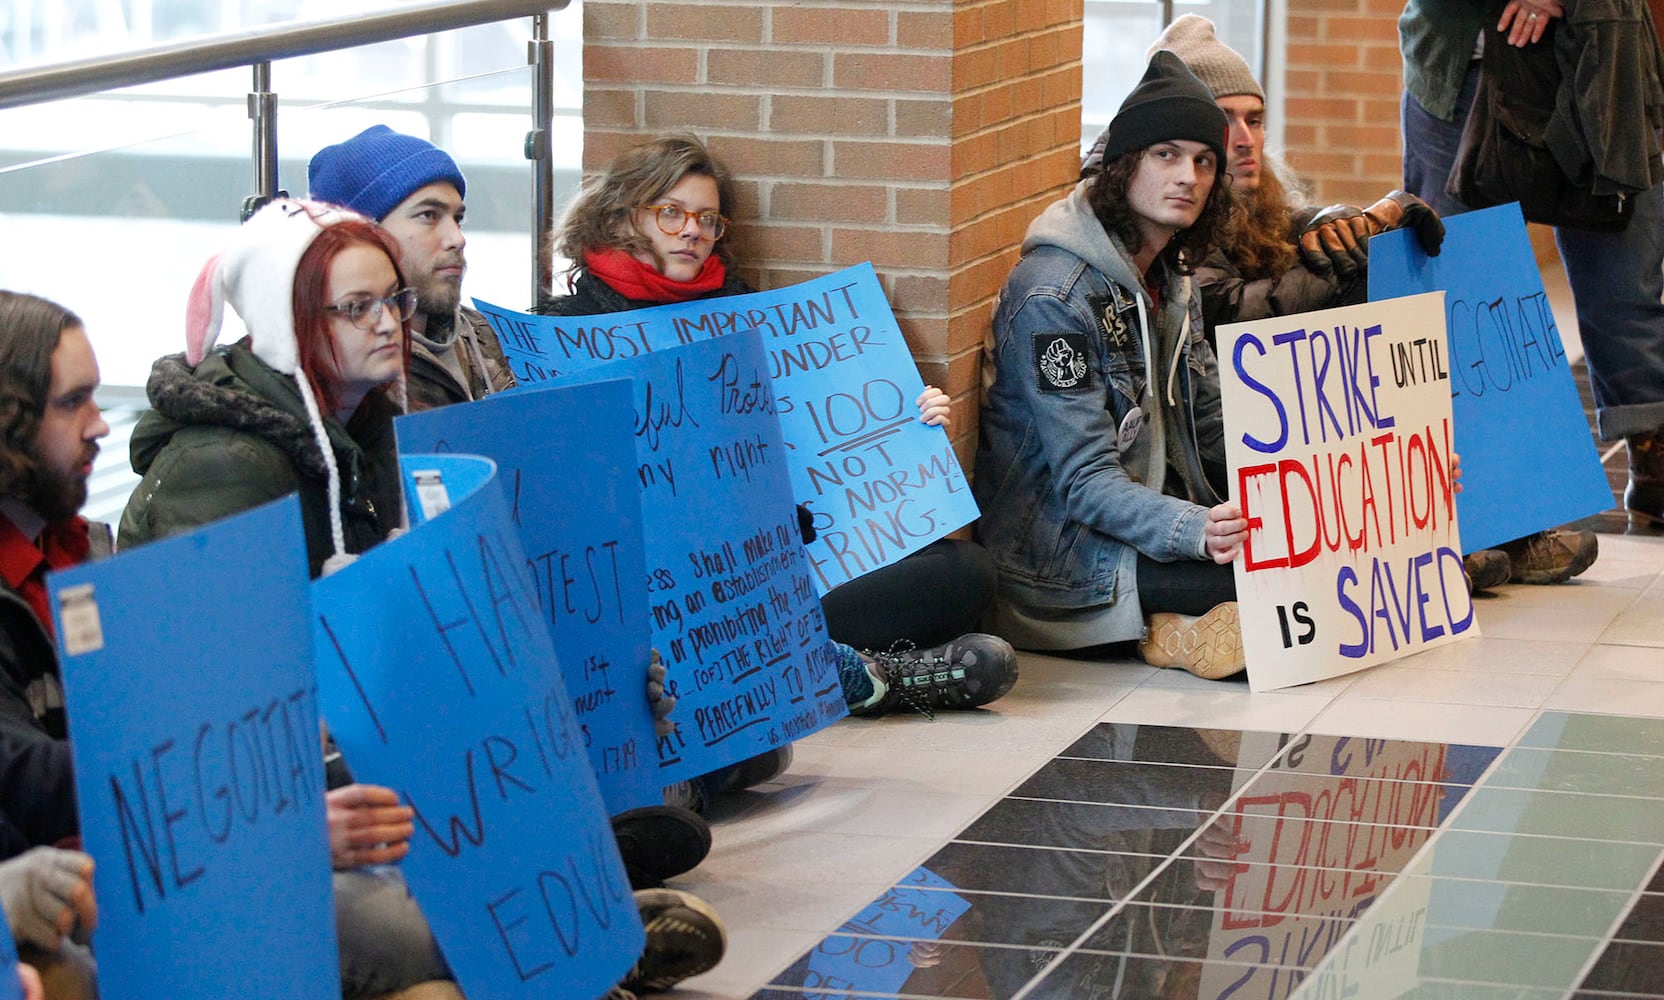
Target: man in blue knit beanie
pixel 415 190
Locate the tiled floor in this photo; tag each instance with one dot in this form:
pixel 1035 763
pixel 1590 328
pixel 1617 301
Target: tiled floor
pixel 1482 821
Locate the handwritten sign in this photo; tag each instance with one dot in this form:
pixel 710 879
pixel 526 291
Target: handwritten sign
pixel 1528 460
pixel 1338 441
pixel 200 775
pixel 732 594
pixel 870 952
pixel 574 500
pixel 880 483
pixel 439 680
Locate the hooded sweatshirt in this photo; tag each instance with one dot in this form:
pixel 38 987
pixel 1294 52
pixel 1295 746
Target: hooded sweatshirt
pixel 1101 418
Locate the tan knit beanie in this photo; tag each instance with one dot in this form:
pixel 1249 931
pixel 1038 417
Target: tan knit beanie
pixel 1192 39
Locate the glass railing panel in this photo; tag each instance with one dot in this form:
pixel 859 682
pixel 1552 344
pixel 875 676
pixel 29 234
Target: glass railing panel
pixel 113 202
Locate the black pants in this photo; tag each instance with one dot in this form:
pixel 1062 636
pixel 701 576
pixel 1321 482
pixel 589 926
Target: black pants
pixel 936 594
pixel 1190 587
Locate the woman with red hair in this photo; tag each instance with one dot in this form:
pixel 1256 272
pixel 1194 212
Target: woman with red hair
pixel 304 403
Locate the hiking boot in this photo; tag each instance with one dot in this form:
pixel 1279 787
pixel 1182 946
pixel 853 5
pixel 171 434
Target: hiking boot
pixel 1644 496
pixel 1209 645
pixel 968 672
pixel 1552 556
pixel 1487 568
pixel 684 938
pixel 660 842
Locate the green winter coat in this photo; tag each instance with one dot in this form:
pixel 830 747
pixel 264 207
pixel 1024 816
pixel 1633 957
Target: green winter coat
pixel 233 434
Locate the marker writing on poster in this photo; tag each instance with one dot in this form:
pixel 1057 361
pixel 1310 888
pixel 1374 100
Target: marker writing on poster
pixel 228 775
pixel 1348 479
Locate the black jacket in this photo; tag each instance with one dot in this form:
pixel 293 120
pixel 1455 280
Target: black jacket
pixel 37 782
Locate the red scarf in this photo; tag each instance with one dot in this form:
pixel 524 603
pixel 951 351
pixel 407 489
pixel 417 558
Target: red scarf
pixel 635 280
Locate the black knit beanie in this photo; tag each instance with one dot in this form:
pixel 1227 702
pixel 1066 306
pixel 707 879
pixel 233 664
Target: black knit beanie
pixel 1169 103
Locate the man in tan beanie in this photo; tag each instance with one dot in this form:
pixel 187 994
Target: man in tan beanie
pixel 1284 258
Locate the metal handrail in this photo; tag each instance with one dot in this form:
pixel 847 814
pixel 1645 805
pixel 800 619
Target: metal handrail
pixel 257 48
pixel 80 77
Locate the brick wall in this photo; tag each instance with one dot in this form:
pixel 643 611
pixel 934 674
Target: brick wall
pixel 1344 82
pixel 1344 78
pixel 921 136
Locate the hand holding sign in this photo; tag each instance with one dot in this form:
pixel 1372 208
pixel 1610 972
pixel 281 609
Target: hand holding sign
pixel 367 826
pixel 1225 531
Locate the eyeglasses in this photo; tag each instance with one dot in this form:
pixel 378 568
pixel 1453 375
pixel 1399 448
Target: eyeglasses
pixel 672 219
pixel 365 313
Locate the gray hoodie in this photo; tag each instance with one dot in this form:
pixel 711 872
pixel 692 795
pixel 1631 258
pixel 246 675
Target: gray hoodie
pixel 1085 461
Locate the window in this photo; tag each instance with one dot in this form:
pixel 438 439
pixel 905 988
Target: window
pixel 1118 34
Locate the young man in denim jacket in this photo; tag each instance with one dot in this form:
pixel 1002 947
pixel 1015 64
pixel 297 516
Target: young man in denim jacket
pixel 1101 464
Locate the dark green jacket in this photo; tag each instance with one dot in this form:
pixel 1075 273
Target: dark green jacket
pixel 1437 38
pixel 234 434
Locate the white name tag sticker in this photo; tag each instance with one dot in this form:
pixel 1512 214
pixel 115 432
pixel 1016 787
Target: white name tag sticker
pixel 78 620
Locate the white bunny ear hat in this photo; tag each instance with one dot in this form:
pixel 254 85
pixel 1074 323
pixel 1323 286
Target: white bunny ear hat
pixel 256 274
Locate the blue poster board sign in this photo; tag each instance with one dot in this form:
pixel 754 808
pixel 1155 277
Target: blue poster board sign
pixel 568 459
pixel 1528 459
pixel 199 771
pixel 733 605
pixel 880 483
pixel 439 680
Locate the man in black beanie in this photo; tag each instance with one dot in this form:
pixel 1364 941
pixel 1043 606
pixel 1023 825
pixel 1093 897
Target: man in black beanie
pixel 1101 463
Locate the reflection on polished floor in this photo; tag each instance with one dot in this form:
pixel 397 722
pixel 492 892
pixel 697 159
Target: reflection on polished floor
pixel 1484 820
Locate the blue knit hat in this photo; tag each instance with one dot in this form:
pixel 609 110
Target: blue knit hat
pixel 378 168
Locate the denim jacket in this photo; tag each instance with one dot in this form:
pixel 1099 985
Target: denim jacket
pixel 1072 483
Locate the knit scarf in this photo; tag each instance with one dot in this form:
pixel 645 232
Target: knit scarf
pixel 635 280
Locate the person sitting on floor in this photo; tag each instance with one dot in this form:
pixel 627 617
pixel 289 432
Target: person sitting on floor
pixel 651 229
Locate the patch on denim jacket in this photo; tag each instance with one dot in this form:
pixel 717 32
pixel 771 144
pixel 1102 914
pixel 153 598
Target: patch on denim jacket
pixel 1113 312
pixel 1060 361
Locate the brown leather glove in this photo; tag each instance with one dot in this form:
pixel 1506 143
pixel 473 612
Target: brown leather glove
pixel 1403 210
pixel 1336 239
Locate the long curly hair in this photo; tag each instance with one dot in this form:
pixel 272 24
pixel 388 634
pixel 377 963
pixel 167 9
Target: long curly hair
pixel 600 217
pixel 30 328
pixel 1259 243
pixel 1108 200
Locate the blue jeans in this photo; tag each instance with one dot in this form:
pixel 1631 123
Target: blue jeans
pixel 1617 279
pixel 385 942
